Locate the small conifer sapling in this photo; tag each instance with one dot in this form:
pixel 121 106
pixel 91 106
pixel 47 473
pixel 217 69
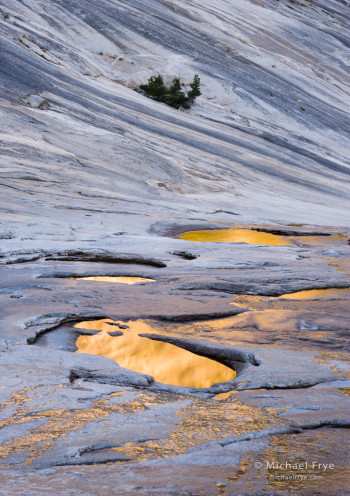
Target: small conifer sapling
pixel 173 95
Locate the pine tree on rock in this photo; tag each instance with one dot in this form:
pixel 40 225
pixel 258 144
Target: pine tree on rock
pixel 155 88
pixel 176 96
pixel 175 87
pixel 195 88
pixel 173 95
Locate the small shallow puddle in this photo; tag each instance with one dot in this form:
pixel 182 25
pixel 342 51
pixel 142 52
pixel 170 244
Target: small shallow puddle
pixel 224 396
pixel 236 236
pixel 165 362
pixel 316 293
pixel 117 279
pixel 342 265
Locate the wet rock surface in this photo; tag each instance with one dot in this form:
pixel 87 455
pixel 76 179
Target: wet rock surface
pixel 81 418
pixel 97 180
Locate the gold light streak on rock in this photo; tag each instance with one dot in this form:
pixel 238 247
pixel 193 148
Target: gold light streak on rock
pixel 58 423
pixel 200 422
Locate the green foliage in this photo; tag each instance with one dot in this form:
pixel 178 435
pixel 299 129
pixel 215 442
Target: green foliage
pixel 173 95
pixel 176 98
pixel 155 88
pixel 43 103
pixel 175 87
pixel 195 88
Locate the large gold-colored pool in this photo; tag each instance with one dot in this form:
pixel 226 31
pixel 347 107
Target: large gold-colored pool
pixel 165 362
pixel 236 236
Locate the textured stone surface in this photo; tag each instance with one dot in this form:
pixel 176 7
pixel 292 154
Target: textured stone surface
pixel 96 179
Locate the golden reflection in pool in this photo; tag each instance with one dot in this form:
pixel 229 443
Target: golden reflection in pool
pixel 116 279
pixel 165 362
pixel 236 236
pixel 223 396
pixel 325 241
pixel 316 293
